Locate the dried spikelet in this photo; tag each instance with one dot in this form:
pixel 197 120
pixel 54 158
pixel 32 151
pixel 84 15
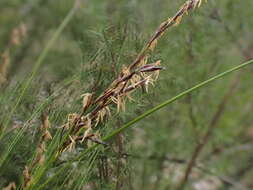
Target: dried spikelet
pixel 164 23
pixel 148 80
pixel 119 101
pixel 124 76
pixel 157 72
pixel 136 78
pixel 120 87
pixel 18 34
pixel 144 61
pixel 178 20
pixel 72 145
pixel 195 3
pixel 41 148
pixel 41 160
pixel 70 121
pixel 47 136
pixel 45 122
pixel 86 121
pixel 87 101
pixel 102 114
pixel 200 3
pixel 87 126
pixel 129 97
pixel 27 176
pixel 152 45
pixel 143 75
pixel 108 111
pixel 86 134
pixel 134 86
pixel 125 70
pixel 44 128
pixel 11 186
pixel 72 117
pixel 4 65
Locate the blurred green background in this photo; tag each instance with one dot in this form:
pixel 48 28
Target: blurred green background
pixel 100 38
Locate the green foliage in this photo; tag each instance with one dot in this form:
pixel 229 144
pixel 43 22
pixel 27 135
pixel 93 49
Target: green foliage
pixel 68 51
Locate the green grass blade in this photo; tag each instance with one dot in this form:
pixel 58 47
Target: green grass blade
pixel 171 100
pixel 26 85
pixel 38 63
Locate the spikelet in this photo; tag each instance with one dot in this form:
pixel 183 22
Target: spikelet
pixel 4 65
pixel 125 70
pixel 136 78
pixel 72 145
pixel 27 176
pixel 178 20
pixel 88 128
pixel 148 80
pixel 45 128
pixel 101 115
pixel 152 45
pixel 200 2
pixel 144 61
pixel 70 121
pixel 120 102
pixel 157 72
pixel 18 34
pixel 87 100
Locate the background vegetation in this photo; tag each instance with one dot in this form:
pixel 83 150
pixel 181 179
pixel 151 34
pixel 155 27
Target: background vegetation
pixel 86 47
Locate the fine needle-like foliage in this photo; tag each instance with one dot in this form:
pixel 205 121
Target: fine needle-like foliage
pixel 62 126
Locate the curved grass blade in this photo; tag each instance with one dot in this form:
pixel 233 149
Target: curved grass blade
pixel 149 112
pixel 38 63
pixel 171 100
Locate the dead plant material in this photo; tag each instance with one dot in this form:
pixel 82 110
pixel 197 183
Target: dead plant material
pixel 4 66
pixel 41 148
pixel 17 36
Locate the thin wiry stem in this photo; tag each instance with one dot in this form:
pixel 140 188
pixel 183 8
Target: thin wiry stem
pixel 187 6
